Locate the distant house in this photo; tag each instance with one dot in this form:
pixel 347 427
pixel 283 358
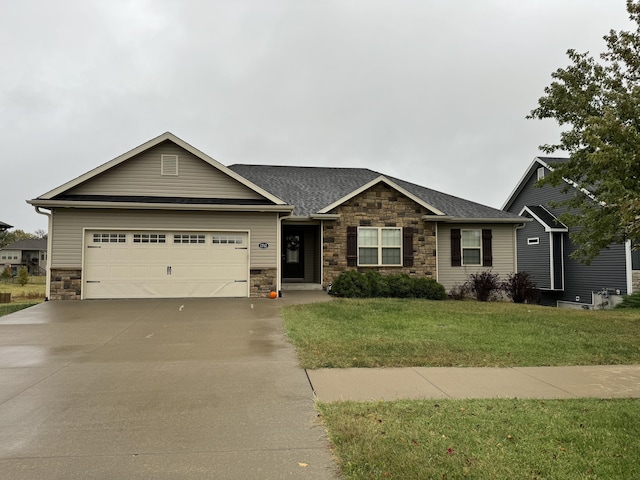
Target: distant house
pixel 167 220
pixel 544 249
pixel 30 253
pixel 5 226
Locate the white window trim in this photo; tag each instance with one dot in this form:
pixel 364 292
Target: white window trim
pixel 540 173
pixel 463 248
pixel 533 241
pixel 379 247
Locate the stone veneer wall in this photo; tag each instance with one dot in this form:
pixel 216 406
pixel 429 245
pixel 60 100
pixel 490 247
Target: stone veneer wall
pixel 262 281
pixel 635 280
pixel 379 206
pixel 66 284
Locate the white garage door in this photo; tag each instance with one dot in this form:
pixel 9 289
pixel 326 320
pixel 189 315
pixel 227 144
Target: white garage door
pixel 141 264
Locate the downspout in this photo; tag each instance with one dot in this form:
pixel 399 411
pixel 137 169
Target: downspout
pixel 628 266
pixel 515 245
pixel 49 251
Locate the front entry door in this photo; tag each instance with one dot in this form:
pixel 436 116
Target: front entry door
pixel 293 254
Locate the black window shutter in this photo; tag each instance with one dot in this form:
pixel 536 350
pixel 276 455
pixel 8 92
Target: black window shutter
pixel 456 252
pixel 487 256
pixel 407 247
pixel 352 246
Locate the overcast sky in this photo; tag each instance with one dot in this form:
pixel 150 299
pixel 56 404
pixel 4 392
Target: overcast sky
pixel 431 91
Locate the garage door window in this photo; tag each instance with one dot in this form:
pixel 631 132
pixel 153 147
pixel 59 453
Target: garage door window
pixel 149 238
pixel 227 239
pixel 188 238
pixel 109 238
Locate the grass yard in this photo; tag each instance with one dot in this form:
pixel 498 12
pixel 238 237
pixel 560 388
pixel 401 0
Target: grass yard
pixel 486 439
pixel 32 292
pixel 403 333
pixel 7 308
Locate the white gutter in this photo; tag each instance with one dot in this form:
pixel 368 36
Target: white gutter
pixel 515 245
pixel 159 206
pixel 448 219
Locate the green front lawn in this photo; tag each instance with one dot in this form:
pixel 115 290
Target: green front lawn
pixel 480 439
pixel 486 439
pixel 403 333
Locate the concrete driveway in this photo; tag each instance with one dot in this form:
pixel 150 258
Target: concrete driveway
pixel 162 389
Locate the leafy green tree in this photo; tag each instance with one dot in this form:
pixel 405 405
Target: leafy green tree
pixel 598 101
pixel 23 276
pixel 6 274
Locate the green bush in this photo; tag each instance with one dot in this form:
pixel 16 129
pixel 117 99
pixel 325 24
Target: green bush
pixel 428 288
pixel 630 301
pixel 351 284
pixel 378 284
pixel 400 286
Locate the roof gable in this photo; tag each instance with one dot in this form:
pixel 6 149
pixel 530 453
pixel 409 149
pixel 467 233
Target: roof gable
pixel 313 190
pixel 545 218
pixel 544 162
pixel 110 179
pixel 375 181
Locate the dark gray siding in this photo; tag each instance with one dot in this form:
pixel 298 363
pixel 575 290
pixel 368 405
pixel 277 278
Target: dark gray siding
pixel 608 270
pixel 534 259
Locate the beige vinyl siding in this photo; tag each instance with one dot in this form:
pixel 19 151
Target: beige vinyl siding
pixel 141 175
pixel 68 224
pixel 503 252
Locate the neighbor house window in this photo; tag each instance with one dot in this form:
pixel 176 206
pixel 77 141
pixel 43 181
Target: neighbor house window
pixel 380 246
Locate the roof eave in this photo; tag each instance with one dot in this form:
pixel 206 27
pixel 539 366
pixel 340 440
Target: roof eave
pixel 449 219
pixel 158 206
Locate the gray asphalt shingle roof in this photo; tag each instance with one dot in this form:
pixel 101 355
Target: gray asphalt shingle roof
pixel 28 244
pixel 310 189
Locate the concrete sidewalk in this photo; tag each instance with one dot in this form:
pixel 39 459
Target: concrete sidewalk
pixel 361 384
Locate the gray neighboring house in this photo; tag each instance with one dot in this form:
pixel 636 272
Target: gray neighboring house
pixel 544 249
pixel 167 220
pixel 30 253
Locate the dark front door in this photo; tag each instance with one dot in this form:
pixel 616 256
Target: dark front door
pixel 293 254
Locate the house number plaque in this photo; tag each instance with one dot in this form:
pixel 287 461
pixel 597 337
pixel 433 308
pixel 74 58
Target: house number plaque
pixel 263 245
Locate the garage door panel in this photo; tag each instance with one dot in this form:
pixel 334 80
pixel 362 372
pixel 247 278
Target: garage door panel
pixel 135 269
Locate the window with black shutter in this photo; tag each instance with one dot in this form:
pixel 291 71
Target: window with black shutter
pixel 456 249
